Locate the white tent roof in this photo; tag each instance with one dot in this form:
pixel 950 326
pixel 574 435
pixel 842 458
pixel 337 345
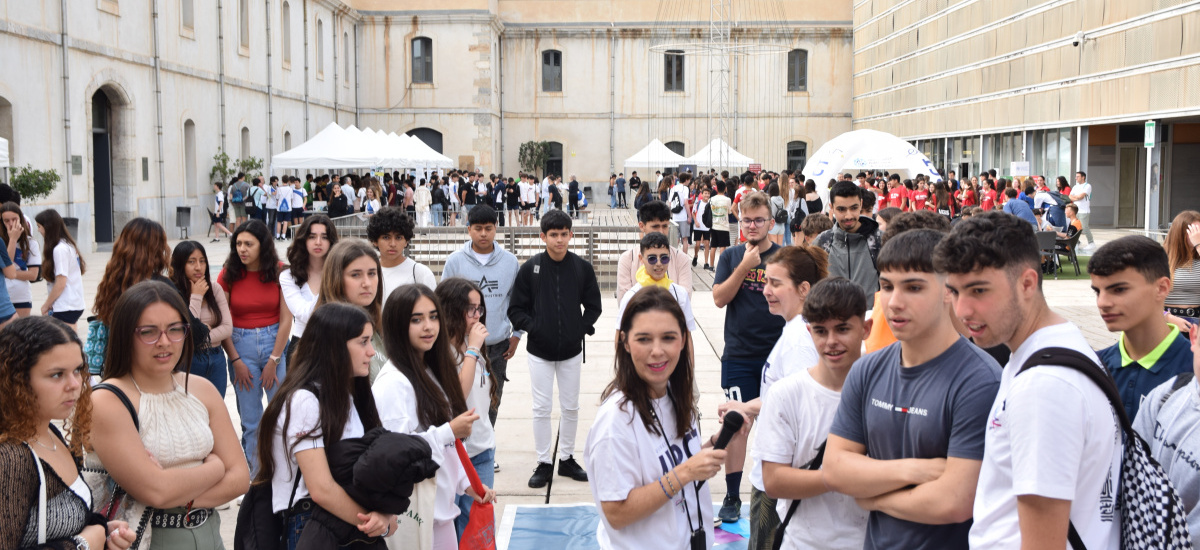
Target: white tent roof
pixel 430 157
pixel 335 147
pixel 719 154
pixel 867 150
pixel 3 153
pixel 655 155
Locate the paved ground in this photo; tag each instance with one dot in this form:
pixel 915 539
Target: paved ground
pixel 1073 299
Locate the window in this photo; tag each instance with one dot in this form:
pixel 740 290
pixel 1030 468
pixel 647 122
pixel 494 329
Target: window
pixel 430 137
pixel 189 157
pixel 187 13
pixel 244 22
pixel 422 60
pixel 673 73
pixel 287 141
pixel 675 147
pixel 797 71
pixel 797 155
pixel 245 143
pixel 286 33
pixel 346 57
pixel 551 71
pixel 554 161
pixel 320 48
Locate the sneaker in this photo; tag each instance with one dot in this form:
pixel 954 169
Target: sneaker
pixel 570 468
pixel 495 466
pixel 541 475
pixel 694 260
pixel 707 267
pixel 731 509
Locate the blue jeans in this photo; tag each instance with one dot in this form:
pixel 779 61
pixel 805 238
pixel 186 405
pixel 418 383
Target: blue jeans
pixel 435 215
pixel 211 364
pixel 295 526
pixel 254 347
pixel 484 466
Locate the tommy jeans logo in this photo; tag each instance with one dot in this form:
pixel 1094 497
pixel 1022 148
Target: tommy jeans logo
pixel 902 410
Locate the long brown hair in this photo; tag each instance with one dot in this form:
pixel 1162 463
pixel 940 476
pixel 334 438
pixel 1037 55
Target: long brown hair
pixel 434 406
pixel 23 240
pixel 297 252
pixel 54 231
pixel 118 356
pixel 21 346
pixel 140 252
pixel 1180 251
pixel 333 282
pixel 679 386
pixel 454 293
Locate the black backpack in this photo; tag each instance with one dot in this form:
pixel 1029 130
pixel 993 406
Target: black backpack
pixel 706 217
pixel 814 464
pixel 779 213
pixel 1152 515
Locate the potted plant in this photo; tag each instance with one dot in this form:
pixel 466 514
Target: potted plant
pixel 32 184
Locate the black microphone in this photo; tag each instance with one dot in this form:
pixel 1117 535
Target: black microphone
pixel 732 422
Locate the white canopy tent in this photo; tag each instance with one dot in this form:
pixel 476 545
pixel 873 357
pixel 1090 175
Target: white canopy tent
pixel 655 155
pixel 867 150
pixel 335 147
pixel 429 158
pixel 3 153
pixel 719 154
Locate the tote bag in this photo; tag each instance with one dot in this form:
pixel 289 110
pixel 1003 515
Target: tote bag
pixel 415 526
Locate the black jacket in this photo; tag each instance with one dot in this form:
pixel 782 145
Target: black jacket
pixel 338 206
pixel 557 303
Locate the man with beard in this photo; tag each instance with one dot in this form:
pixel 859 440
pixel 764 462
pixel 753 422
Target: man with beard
pixel 853 243
pixel 738 284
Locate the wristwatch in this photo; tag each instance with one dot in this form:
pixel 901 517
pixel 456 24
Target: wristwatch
pixel 81 543
pixel 274 359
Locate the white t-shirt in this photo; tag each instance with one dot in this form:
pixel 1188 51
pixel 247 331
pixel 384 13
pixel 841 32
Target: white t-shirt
pixel 698 216
pixel 623 455
pixel 679 193
pixel 304 416
pixel 1051 433
pixel 1084 204
pixel 348 192
pixel 22 291
pixel 299 195
pixel 407 273
pixel 300 301
pixel 681 295
pixel 358 199
pixel 397 404
pixel 483 436
pixel 271 201
pixel 793 353
pixel 66 262
pixel 795 419
pixel 482 258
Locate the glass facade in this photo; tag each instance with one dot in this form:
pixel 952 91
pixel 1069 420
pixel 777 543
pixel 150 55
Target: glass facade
pixel 1051 152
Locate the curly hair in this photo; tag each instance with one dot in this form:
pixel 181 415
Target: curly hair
pixel 22 344
pixel 140 252
pixel 391 219
pixel 268 258
pixel 297 252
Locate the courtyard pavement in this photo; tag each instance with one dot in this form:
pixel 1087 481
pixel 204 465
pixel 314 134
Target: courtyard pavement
pixel 1071 298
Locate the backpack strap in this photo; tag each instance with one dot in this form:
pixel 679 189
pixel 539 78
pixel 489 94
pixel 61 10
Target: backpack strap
pixel 1181 380
pixel 814 464
pixel 124 401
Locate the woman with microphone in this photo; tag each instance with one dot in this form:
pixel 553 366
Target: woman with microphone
pixel 644 449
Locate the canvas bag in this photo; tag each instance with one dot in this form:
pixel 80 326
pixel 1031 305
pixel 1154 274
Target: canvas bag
pixel 480 532
pixel 414 529
pixel 108 498
pixel 1152 515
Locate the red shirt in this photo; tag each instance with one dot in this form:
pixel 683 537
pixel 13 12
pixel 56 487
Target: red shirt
pixel 252 303
pixel 966 197
pixel 917 199
pixel 897 195
pixel 989 200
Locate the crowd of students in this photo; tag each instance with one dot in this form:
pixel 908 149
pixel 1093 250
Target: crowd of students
pixel 878 357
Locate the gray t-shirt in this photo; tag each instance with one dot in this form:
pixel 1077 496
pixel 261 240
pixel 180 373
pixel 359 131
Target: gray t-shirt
pixel 1170 429
pixel 938 409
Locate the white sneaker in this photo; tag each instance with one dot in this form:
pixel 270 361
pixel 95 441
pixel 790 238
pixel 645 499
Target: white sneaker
pixel 495 466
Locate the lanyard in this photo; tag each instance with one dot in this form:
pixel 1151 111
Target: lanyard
pixel 695 486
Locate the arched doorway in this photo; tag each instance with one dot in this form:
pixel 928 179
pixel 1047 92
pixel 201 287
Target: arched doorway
pixel 431 137
pixel 102 172
pixel 554 161
pixel 6 132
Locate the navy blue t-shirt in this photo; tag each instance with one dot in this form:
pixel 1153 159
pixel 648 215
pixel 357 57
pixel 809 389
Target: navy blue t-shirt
pixel 6 306
pixel 1136 381
pixel 751 330
pixel 935 410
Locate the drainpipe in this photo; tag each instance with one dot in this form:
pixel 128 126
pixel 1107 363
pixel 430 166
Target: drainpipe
pixel 66 82
pixel 336 82
pixel 221 69
pixel 162 168
pixel 270 90
pixel 307 134
pixel 500 79
pixel 357 106
pixel 612 99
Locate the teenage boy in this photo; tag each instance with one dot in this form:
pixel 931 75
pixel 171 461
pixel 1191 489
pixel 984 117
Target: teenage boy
pixel 1053 444
pixel 720 205
pixel 680 209
pixel 391 231
pixel 653 217
pixel 897 194
pixel 655 259
pixel 1018 207
pixel 797 414
pixel 750 329
pixel 482 261
pixel 908 436
pixel 556 300
pixel 701 230
pixel 237 198
pixel 1082 195
pixel 853 243
pixel 1131 278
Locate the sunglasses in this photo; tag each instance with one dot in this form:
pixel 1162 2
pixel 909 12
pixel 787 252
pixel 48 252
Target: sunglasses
pixel 660 259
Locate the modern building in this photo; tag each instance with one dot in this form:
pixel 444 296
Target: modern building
pixel 1065 85
pixel 130 99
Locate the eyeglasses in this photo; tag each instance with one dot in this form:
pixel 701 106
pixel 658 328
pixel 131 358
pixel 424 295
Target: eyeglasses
pixel 475 311
pixel 660 259
pixel 754 222
pixel 150 335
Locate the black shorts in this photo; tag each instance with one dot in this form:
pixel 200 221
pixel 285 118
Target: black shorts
pixel 719 238
pixel 698 235
pixel 68 317
pixel 283 216
pixel 741 380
